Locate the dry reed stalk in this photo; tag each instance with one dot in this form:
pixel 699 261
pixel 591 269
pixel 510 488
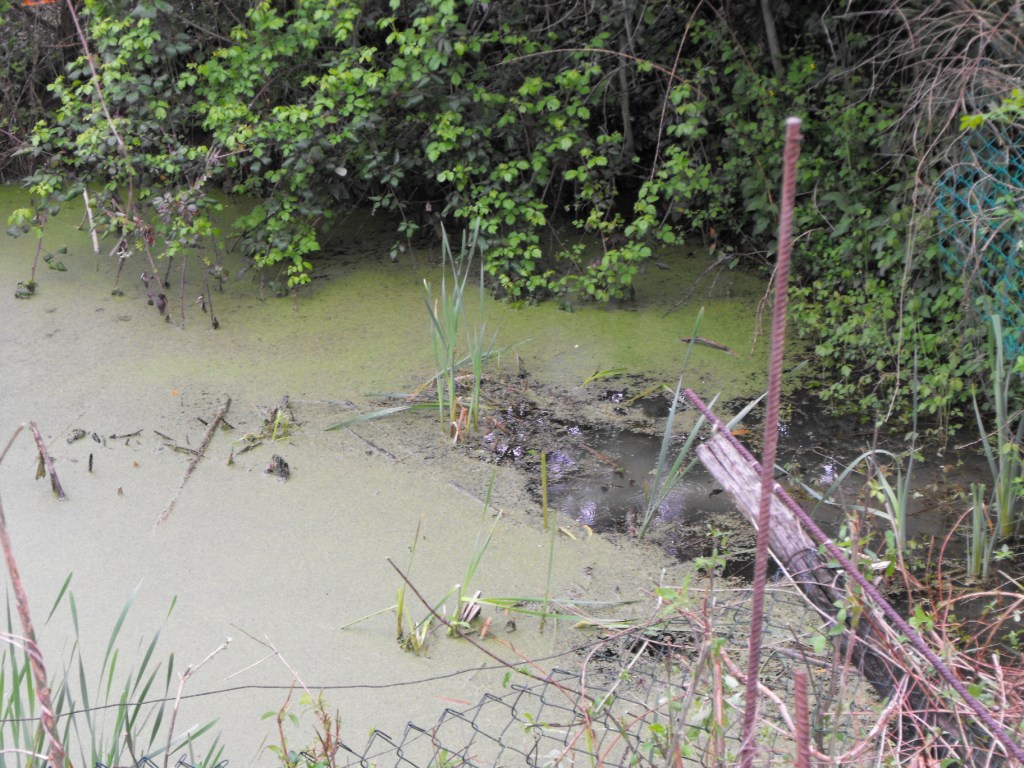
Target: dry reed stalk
pixel 183 678
pixel 58 757
pixel 210 429
pixel 44 456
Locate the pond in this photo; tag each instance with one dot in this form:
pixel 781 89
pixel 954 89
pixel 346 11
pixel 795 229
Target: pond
pixel 281 567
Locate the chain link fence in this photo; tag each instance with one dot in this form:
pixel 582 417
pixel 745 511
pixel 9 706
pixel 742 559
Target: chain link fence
pixel 667 693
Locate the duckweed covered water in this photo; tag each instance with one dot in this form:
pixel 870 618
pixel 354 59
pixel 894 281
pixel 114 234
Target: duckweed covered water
pixel 277 566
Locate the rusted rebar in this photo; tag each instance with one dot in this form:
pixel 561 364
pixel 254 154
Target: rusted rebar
pixel 771 432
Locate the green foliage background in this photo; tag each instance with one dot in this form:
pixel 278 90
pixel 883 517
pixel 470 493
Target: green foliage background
pixel 550 125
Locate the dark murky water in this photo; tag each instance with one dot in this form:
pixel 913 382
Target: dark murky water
pixel 603 480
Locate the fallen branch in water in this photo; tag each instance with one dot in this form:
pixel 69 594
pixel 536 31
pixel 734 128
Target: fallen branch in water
pixel 46 461
pixel 195 458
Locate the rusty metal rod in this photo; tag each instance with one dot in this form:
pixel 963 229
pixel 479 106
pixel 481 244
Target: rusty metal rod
pixel 771 434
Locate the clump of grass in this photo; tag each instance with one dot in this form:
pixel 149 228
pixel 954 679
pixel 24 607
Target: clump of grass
pixel 666 479
pixel 878 465
pixel 667 476
pixel 122 718
pixel 980 539
pixel 412 636
pixel 277 423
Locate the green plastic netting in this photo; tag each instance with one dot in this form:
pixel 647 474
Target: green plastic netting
pixel 980 218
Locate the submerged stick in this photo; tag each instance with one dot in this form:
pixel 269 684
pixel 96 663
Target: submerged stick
pixel 35 657
pixel 708 343
pixel 206 301
pixel 195 458
pixel 44 456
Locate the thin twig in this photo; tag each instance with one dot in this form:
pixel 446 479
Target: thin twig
pixel 92 224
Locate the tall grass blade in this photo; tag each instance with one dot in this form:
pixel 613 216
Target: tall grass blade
pixel 60 597
pixel 551 569
pixel 544 487
pixel 378 414
pixel 656 493
pixel 481 547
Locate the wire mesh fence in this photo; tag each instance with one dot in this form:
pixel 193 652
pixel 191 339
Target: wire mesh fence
pixel 666 693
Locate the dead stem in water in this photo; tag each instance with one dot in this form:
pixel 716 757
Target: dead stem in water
pixel 195 459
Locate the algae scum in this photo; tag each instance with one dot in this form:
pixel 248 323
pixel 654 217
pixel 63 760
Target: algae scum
pixel 281 566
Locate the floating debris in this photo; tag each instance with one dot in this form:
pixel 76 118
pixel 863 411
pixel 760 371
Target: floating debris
pixel 278 467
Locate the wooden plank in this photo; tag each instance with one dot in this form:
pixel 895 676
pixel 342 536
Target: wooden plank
pixel 797 554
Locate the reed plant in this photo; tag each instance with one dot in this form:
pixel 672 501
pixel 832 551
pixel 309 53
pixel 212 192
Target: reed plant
pixel 467 609
pixel 895 496
pixel 413 636
pixel 447 312
pixel 667 476
pixel 1003 444
pixel 980 540
pixel 552 533
pixel 877 465
pixel 461 350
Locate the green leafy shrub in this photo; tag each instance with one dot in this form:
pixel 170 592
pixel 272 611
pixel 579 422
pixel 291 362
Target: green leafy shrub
pixel 580 143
